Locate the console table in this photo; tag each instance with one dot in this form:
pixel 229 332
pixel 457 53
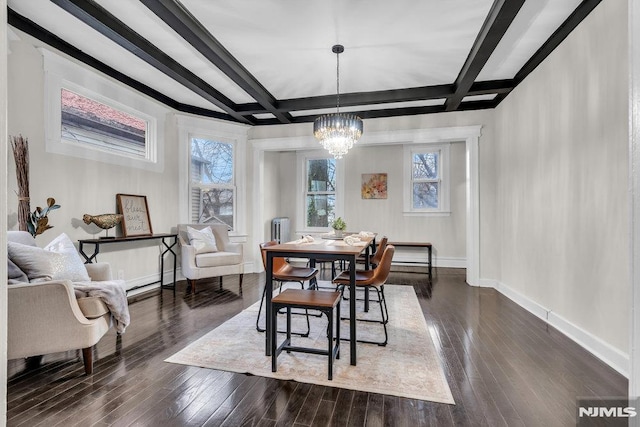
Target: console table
pixel 425 245
pixel 169 240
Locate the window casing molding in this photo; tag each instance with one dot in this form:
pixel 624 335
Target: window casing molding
pixel 444 195
pixel 302 157
pixel 60 73
pixel 236 134
pixel 193 184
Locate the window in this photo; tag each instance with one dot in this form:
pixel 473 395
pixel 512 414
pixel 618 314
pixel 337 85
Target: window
pixel 320 192
pixel 93 118
pixel 213 191
pixel 101 127
pixel 426 179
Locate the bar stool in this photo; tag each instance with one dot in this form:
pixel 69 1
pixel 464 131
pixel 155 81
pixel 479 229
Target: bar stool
pixel 326 302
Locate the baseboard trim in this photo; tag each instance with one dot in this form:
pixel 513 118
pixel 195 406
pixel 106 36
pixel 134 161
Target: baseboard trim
pixel 616 359
pixel 420 261
pixel 610 355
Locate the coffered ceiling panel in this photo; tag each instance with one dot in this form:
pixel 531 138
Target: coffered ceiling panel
pixel 269 61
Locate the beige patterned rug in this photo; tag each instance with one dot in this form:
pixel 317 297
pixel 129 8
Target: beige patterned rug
pixel 408 366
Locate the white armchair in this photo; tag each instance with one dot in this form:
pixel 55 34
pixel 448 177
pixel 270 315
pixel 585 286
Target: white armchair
pixel 227 260
pixel 46 317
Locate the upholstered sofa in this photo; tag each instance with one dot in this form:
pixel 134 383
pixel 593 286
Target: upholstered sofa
pixel 225 260
pixel 50 316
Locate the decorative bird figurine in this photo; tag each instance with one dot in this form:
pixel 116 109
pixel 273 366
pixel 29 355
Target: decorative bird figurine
pixel 104 221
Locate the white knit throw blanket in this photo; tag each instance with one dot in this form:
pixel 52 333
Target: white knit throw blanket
pixel 114 296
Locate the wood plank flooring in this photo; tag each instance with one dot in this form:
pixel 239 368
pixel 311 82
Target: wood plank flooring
pixel 505 367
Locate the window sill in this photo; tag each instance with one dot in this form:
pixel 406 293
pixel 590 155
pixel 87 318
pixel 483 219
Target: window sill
pixel 433 213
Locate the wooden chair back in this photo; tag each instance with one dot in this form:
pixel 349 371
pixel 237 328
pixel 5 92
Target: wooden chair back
pixel 278 262
pixel 377 257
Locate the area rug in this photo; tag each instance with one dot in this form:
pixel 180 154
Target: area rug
pixel 408 366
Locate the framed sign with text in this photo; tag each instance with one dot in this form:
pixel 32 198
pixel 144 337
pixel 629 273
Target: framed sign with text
pixel 135 215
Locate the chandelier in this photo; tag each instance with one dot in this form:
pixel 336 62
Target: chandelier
pixel 337 132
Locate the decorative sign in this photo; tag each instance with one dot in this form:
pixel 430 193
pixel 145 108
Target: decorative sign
pixel 135 220
pixel 374 186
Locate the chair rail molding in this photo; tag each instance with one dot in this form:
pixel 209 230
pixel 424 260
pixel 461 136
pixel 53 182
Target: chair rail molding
pixel 469 134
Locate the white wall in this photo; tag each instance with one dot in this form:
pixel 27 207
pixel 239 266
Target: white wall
pixel 561 185
pixel 85 186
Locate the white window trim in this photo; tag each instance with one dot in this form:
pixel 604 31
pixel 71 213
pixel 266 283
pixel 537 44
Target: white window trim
pixel 301 165
pixel 232 186
pixel 92 85
pixel 444 208
pixel 221 131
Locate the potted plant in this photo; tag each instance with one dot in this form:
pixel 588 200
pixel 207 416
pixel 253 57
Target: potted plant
pixel 338 226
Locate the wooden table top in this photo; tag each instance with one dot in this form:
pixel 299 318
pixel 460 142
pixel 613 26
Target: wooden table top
pixel 322 246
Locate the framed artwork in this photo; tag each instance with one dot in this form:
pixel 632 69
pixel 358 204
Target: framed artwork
pixel 135 215
pixel 374 186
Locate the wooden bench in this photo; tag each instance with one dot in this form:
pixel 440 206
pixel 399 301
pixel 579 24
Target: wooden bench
pixel 324 301
pixel 426 245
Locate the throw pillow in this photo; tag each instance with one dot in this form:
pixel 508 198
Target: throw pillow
pixel 70 265
pixel 37 263
pixel 14 273
pixel 203 240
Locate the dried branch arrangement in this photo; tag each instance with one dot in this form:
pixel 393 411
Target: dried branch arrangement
pixel 20 146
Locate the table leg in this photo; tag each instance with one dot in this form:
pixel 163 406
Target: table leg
pixel 352 310
pixel 89 259
pixel 368 254
pixel 430 276
pixel 169 248
pixel 268 283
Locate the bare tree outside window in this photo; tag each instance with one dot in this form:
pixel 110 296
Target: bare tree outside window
pixel 213 189
pixel 320 192
pixel 426 180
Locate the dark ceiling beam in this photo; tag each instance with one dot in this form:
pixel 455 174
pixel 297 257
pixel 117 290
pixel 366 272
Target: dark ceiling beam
pixel 393 112
pixel 355 99
pixel 491 86
pixel 556 38
pixel 34 30
pixel 500 17
pixel 189 28
pixel 552 42
pixel 108 25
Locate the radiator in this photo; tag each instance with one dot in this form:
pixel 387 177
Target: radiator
pixel 280 230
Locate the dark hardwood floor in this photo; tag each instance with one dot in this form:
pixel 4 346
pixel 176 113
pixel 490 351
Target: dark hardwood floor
pixel 505 367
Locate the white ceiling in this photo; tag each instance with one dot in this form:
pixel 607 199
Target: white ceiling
pixel 286 45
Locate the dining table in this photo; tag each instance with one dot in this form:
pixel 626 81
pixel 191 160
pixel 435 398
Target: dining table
pixel 321 250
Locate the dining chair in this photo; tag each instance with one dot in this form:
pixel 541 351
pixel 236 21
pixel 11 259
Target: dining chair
pixel 372 279
pixel 377 256
pixel 284 272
